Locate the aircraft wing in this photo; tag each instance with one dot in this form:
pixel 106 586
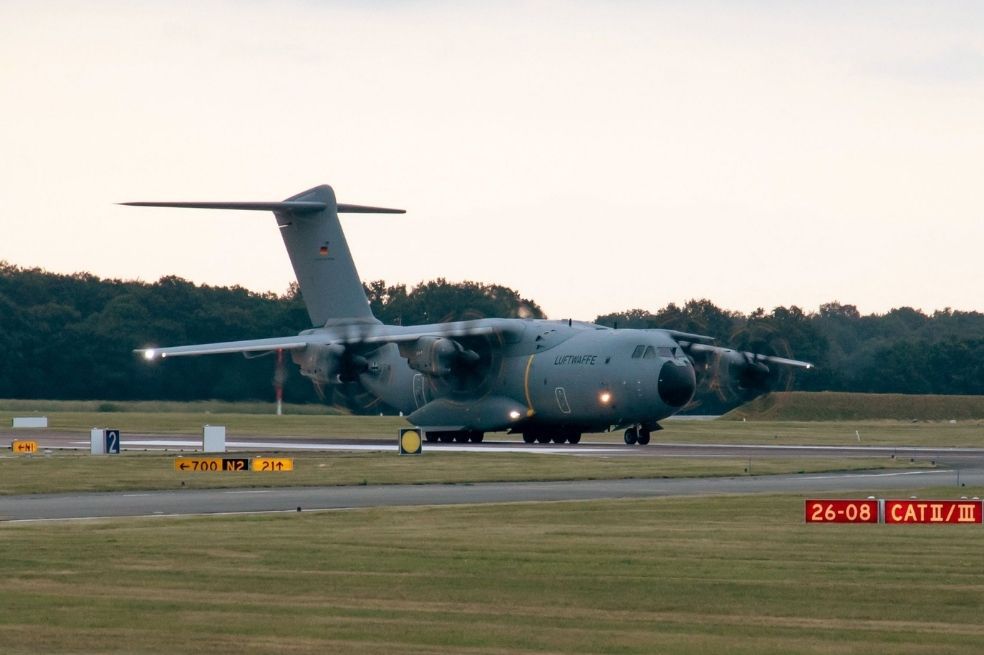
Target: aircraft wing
pixel 703 348
pixel 248 346
pixel 350 335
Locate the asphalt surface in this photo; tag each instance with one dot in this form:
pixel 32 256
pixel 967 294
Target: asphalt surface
pixel 970 461
pixel 231 501
pixel 152 442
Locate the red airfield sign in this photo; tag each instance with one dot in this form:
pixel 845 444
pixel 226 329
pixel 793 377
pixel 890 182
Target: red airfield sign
pixel 821 510
pixel 933 511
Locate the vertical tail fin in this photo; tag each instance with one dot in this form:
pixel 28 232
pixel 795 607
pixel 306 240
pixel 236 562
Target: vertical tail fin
pixel 323 266
pixel 322 263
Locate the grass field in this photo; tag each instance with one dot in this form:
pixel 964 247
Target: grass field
pixel 238 424
pixel 734 574
pixel 835 406
pixel 313 426
pixel 64 472
pixel 675 575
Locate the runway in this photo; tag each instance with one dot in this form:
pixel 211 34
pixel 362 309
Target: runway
pixel 235 501
pixel 970 461
pixel 152 442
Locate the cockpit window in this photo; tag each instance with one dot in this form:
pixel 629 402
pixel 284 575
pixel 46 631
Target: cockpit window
pixel 650 353
pixel 637 353
pixel 666 351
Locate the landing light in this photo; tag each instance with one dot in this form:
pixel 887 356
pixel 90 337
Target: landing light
pixel 605 397
pixel 514 415
pixel 149 354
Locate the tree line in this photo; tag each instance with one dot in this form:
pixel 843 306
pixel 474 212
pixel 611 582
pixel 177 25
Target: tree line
pixel 901 351
pixel 72 336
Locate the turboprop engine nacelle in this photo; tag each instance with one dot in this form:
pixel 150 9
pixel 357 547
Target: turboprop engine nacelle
pixel 437 356
pixel 740 375
pixel 321 364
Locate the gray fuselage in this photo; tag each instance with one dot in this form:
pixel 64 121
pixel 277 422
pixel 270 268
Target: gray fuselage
pixel 533 374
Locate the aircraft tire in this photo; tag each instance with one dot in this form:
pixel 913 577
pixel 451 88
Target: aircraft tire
pixel 574 438
pixel 543 438
pixel 447 437
pixel 558 438
pixel 529 437
pixel 644 437
pixel 430 437
pixel 631 436
pixel 461 437
pixel 476 437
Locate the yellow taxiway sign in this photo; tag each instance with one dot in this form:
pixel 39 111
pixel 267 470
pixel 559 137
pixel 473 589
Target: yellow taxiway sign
pixel 209 464
pixel 19 446
pixel 272 464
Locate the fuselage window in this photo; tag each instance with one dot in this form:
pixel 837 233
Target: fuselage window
pixel 650 353
pixel 637 353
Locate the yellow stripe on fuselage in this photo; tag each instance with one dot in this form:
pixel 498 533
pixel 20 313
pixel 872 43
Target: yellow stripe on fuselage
pixel 526 386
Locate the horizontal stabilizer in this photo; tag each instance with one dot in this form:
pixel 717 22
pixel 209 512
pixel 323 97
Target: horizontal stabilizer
pixel 362 209
pixel 296 206
pixel 293 206
pixel 318 251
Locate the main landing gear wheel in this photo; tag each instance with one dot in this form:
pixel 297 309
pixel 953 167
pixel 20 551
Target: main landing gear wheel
pixel 431 437
pixel 636 435
pixel 555 437
pixel 476 437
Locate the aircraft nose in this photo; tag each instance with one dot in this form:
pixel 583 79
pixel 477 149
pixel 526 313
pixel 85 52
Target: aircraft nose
pixel 677 383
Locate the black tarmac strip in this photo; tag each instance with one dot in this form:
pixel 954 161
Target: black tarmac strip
pixel 236 501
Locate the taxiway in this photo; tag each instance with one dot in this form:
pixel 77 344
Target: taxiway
pixel 236 501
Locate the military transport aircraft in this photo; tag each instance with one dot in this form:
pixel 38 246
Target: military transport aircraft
pixel 548 380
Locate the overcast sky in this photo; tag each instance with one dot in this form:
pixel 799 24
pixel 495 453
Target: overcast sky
pixel 594 156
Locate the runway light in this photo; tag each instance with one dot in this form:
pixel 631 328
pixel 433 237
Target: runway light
pixel 605 397
pixel 514 415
